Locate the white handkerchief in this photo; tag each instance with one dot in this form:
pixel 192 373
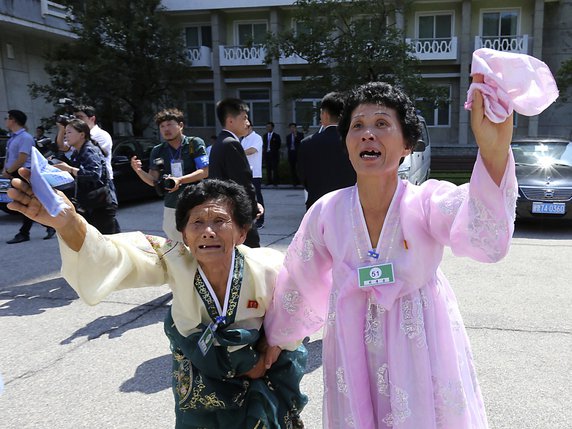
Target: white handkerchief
pixel 45 176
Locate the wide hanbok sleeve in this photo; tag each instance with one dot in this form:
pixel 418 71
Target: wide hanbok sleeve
pixel 300 301
pixel 112 262
pixel 474 219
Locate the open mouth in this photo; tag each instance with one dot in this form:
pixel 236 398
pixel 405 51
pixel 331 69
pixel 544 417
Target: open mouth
pixel 369 154
pixel 209 246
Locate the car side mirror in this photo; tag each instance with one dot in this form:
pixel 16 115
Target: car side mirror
pixel 419 146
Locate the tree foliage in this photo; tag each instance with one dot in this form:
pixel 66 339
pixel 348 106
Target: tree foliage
pixel 348 43
pixel 564 78
pixel 126 61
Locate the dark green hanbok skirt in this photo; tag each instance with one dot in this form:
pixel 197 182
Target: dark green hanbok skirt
pixel 210 394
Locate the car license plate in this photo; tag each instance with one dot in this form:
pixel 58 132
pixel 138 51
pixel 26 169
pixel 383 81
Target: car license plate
pixel 548 208
pixel 4 198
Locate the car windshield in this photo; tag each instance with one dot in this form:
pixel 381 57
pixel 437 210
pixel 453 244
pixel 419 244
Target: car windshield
pixel 543 154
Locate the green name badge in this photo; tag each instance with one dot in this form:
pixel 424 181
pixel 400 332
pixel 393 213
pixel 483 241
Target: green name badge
pixel 206 340
pixel 375 275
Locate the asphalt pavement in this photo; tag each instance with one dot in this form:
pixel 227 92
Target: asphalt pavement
pixel 69 365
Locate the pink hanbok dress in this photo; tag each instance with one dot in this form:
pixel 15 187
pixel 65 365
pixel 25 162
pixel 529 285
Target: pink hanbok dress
pixel 394 355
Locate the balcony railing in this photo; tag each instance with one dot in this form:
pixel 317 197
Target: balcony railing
pixel 200 56
pixel 517 44
pixel 242 55
pixel 434 49
pixel 291 59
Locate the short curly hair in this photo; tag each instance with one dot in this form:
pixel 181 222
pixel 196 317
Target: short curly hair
pixel 215 190
pixel 383 94
pixel 170 114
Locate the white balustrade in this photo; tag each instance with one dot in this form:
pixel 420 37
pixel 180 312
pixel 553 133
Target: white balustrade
pixel 291 59
pixel 242 55
pixel 200 56
pixel 434 49
pixel 517 44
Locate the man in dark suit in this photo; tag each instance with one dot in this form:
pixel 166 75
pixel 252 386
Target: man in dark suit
pixel 293 144
pixel 271 148
pixel 323 162
pixel 227 160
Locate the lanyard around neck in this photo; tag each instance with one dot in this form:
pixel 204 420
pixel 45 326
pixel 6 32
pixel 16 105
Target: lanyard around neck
pixel 221 311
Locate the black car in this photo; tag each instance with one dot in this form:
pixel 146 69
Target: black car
pixel 544 175
pixel 129 186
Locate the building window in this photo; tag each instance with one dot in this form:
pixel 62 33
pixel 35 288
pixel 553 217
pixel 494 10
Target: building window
pixel 258 101
pixel 436 26
pixel 307 112
pixel 199 35
pixel 251 33
pixel 53 8
pixel 436 115
pixel 201 110
pixel 499 24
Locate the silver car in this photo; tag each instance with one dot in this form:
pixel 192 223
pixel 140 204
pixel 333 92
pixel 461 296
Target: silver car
pixel 416 166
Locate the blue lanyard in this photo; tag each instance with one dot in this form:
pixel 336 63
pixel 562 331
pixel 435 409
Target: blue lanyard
pixel 177 152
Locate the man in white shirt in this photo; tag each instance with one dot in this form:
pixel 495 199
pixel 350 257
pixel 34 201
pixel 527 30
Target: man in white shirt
pixel 252 145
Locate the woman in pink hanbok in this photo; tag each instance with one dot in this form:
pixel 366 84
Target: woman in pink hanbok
pixel 364 265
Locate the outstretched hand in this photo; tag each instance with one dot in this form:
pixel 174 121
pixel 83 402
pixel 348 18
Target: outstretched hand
pixel 493 139
pixel 25 202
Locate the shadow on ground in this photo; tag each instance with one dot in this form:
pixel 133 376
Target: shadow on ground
pixel 116 326
pixel 150 377
pixel 36 298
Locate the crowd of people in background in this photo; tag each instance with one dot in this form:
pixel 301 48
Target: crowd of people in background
pixel 318 161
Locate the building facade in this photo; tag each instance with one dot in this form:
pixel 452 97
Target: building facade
pixel 224 44
pixel 28 29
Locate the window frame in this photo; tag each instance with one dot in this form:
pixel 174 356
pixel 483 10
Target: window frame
pixel 238 23
pixel 435 120
pixel 518 11
pixel 199 27
pixel 434 14
pixel 205 100
pixel 315 106
pixel 250 103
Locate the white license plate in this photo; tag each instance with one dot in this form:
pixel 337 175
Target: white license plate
pixel 548 208
pixel 4 198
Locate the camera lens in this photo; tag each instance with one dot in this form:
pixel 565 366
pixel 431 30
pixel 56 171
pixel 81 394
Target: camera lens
pixel 169 183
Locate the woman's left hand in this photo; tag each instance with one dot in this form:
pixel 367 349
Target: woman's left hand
pixel 258 371
pixel 493 139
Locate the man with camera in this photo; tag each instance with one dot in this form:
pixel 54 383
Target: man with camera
pixel 174 164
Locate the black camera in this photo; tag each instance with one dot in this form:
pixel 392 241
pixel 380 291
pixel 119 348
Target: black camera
pixel 64 119
pixel 164 183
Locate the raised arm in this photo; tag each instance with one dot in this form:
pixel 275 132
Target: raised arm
pixel 493 139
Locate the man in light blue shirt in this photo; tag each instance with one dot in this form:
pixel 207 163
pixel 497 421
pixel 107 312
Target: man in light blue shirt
pixel 18 150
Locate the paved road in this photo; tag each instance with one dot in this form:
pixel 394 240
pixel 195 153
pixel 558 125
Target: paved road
pixel 68 365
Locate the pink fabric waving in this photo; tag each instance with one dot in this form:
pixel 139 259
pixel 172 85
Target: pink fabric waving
pixel 516 82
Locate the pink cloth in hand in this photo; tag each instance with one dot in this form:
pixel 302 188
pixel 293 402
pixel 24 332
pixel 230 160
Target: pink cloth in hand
pixel 511 82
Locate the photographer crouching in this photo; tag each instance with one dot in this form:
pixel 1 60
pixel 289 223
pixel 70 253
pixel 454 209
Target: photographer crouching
pixel 174 164
pixel 94 194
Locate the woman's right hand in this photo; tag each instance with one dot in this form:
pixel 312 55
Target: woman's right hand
pixel 136 164
pixel 25 202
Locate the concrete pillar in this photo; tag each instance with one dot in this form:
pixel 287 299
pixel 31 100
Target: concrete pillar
pixel 277 108
pixel 219 38
pixel 537 32
pixel 466 46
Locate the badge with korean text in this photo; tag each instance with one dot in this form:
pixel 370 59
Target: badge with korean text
pixel 375 275
pixel 206 340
